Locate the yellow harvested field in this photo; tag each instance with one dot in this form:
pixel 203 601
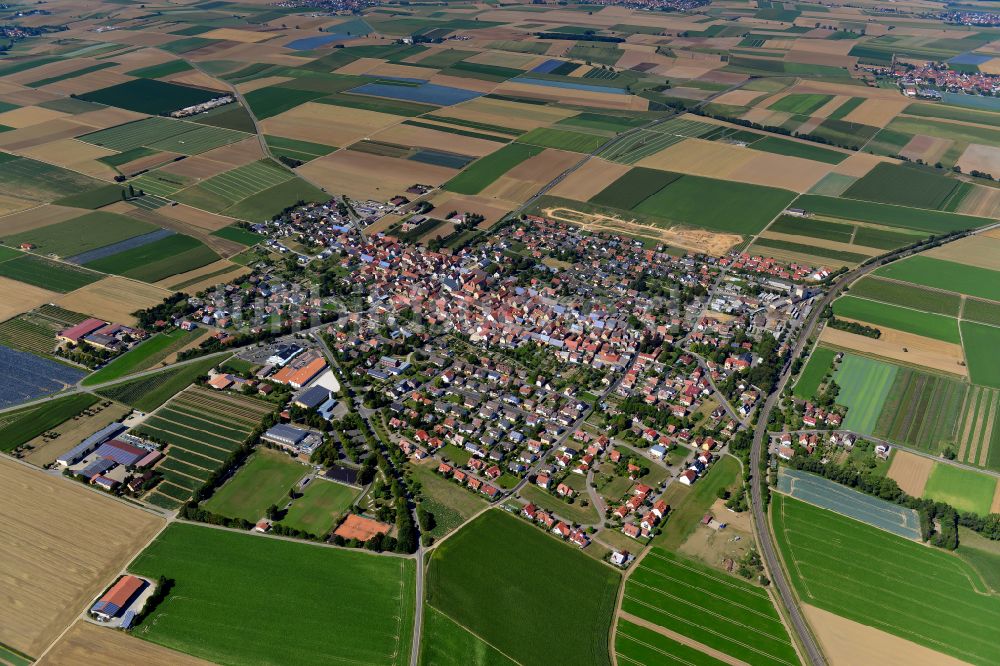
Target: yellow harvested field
pixel 598 100
pixel 9 204
pixel 503 113
pixel 75 155
pixel 466 84
pixel 715 159
pixel 195 168
pixel 107 117
pixel 26 116
pixel 877 112
pixel 529 176
pixel 198 79
pixel 39 216
pixel 86 83
pixel 327 124
pixel 982 201
pixel 195 217
pixel 488 208
pixel 696 240
pixel 19 297
pixel 847 642
pixel 87 643
pixel 505 59
pixel 360 66
pixel 990 66
pixel 262 82
pixel 364 176
pixel 910 471
pixel 236 154
pixel 926 148
pixel 738 97
pixel 409 135
pixel 859 164
pixel 588 180
pixel 147 162
pixel 920 351
pixel 980 158
pixel 400 71
pixel 235 35
pixel 982 250
pixel 113 298
pixel 60 546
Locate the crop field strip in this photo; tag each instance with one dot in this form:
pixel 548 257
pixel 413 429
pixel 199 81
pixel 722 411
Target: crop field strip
pixel 649 141
pixel 911 320
pixel 922 594
pixel 921 410
pixel 979 428
pixel 35 331
pixel 198 435
pixel 827 494
pixel 710 607
pixel 864 385
pixel 48 274
pixel 155 132
pixel 643 647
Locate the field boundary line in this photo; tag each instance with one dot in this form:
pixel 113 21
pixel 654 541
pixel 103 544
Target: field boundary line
pixel 680 638
pixel 434 608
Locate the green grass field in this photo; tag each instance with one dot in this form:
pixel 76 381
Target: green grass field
pixel 262 481
pixel 909 296
pixel 802 104
pixel 980 342
pixel 297 149
pixel 925 595
pixel 22 425
pixel 226 189
pixel 450 504
pixel 42 182
pixel 984 312
pixel 154 261
pixel 812 374
pixel 963 489
pixel 917 322
pixel 773 144
pixel 239 235
pixel 163 134
pixel 931 221
pixel 921 410
pixel 473 578
pixel 80 234
pixel 349 606
pixel 264 205
pixel 320 506
pixel 864 385
pixel 634 187
pixel 149 96
pixel 735 207
pixel 824 255
pixel 948 275
pixel 903 186
pixel 142 357
pixel 679 594
pixel 484 171
pixel 579 142
pixel 689 503
pixel 48 274
pixel 446 643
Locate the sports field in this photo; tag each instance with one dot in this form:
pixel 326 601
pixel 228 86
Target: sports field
pixel 868 575
pixel 849 502
pixel 921 410
pixel 264 479
pixel 927 324
pixel 812 374
pixel 471 580
pixel 963 489
pixel 347 606
pixel 708 606
pixel 320 506
pixel 980 342
pixel 864 385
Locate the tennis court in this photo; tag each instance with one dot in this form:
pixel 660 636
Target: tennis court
pixel 848 502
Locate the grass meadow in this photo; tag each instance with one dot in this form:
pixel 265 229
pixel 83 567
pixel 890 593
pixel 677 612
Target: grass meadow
pixel 812 374
pixel 322 503
pixel 904 185
pixel 963 489
pixel 680 594
pixel 484 171
pixel 47 274
pixel 900 318
pixel 947 275
pixel 980 342
pixel 909 296
pixel 864 385
pixel 931 221
pixel 689 503
pixel 142 357
pixel 318 605
pixel 925 595
pixel 523 591
pixel 446 643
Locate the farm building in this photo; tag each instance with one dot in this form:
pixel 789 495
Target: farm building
pixel 79 331
pixel 121 453
pixel 84 448
pixel 117 598
pixel 302 372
